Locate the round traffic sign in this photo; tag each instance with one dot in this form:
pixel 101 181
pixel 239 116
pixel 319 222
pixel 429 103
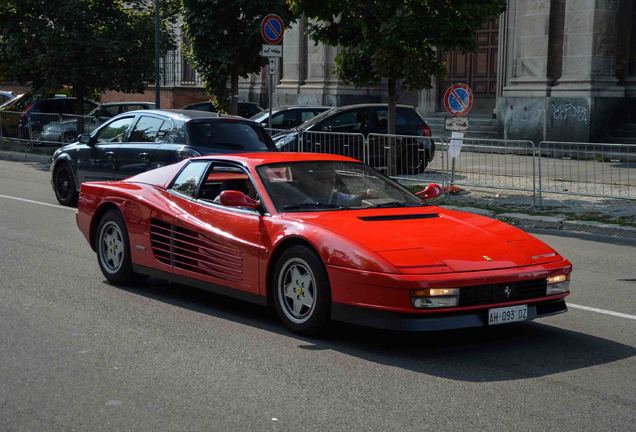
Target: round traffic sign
pixel 458 99
pixel 272 29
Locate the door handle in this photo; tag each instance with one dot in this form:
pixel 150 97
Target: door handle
pixel 143 155
pixel 109 154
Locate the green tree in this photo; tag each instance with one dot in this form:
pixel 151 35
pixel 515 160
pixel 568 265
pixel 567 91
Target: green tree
pixel 88 45
pixel 395 40
pixel 225 41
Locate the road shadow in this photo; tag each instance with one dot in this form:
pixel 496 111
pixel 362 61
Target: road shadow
pixel 492 354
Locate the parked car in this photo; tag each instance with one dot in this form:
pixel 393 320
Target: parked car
pixel 288 117
pixel 320 237
pixel 246 109
pixel 343 131
pixel 35 112
pixel 137 141
pixel 5 96
pixel 67 130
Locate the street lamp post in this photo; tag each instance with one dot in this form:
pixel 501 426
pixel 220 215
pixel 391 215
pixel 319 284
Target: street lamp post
pixel 157 54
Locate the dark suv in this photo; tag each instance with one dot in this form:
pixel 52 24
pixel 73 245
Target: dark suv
pixel 345 130
pixel 138 141
pixel 245 109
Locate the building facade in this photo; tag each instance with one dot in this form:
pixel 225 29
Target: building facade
pixel 545 69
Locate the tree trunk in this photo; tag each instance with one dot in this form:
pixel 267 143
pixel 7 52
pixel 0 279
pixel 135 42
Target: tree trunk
pixel 234 93
pixel 392 144
pixel 392 83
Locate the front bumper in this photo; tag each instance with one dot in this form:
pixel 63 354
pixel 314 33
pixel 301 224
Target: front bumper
pixel 431 322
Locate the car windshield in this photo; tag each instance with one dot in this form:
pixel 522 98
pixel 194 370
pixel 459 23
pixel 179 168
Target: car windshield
pixel 331 185
pixel 229 136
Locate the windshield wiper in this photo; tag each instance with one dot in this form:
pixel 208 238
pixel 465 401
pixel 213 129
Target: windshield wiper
pixel 312 205
pixel 395 204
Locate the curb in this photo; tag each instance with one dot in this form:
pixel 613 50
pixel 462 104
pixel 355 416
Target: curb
pixel 553 222
pixel 24 156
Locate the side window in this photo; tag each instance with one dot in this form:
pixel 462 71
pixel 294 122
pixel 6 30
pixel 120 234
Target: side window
pixel 114 131
pixel 222 177
pixel 164 131
pixel 146 129
pixel 306 115
pixel 126 108
pixel 350 121
pixel 284 120
pixel 189 178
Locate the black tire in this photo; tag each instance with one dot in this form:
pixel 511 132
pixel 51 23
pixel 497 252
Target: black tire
pixel 306 320
pixel 64 185
pixel 113 249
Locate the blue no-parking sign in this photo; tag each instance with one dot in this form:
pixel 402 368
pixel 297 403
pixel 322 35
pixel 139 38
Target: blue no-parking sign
pixel 458 99
pixel 272 29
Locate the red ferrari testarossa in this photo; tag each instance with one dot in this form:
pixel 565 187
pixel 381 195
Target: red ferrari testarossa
pixel 319 237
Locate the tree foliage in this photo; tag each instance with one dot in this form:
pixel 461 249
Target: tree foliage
pixel 396 40
pixel 225 41
pixel 87 45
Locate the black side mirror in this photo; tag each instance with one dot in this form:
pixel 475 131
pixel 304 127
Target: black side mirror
pixel 85 139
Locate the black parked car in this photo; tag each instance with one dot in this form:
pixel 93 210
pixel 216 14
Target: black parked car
pixel 67 130
pixel 288 117
pixel 245 109
pixel 137 141
pixel 343 131
pixel 35 112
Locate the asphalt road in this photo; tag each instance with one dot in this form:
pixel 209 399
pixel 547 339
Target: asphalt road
pixel 79 354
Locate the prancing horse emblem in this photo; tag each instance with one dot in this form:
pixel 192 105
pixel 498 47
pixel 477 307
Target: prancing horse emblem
pixel 508 291
pixel 486 257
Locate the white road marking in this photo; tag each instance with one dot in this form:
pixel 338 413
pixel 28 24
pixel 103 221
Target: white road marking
pixel 39 203
pixel 603 311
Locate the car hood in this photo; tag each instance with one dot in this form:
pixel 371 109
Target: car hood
pixel 433 239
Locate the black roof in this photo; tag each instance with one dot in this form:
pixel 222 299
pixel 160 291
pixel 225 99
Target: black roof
pixel 185 115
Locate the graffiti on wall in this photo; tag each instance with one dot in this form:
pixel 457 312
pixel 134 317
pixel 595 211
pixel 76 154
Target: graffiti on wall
pixel 569 110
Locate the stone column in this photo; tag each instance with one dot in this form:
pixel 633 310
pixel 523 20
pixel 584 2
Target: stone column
pixel 526 83
pixel 294 65
pixel 314 90
pixel 587 97
pixel 630 81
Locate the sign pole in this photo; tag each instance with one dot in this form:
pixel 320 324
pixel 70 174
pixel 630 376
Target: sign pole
pixel 271 95
pixel 272 30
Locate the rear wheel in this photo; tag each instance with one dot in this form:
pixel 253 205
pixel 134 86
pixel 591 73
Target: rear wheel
pixel 302 295
pixel 113 249
pixel 64 185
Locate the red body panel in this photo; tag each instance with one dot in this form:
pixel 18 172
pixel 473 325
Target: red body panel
pixel 372 264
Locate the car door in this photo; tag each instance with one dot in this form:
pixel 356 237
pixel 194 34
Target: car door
pixel 343 135
pixel 97 161
pixel 134 155
pixel 217 244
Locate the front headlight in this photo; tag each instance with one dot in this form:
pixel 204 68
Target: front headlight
pixel 558 284
pixel 185 153
pixel 435 298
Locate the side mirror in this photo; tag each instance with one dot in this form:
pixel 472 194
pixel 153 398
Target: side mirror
pixel 433 190
pixel 233 198
pixel 85 139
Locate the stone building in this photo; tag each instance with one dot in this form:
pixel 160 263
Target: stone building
pixel 545 69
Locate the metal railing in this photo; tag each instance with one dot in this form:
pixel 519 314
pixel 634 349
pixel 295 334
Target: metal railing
pixel 589 169
pixel 571 168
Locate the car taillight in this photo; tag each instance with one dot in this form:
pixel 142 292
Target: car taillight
pixel 426 131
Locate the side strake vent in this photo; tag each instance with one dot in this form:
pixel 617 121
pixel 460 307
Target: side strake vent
pixel 399 217
pixel 189 250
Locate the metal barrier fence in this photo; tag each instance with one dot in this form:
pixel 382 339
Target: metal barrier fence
pixel 572 168
pixel 589 169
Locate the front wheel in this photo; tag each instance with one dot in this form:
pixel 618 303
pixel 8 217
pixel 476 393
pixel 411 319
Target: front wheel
pixel 302 295
pixel 64 185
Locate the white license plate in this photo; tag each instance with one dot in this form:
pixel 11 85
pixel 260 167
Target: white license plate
pixel 506 315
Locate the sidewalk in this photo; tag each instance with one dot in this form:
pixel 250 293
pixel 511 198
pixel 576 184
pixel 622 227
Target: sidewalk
pixel 562 212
